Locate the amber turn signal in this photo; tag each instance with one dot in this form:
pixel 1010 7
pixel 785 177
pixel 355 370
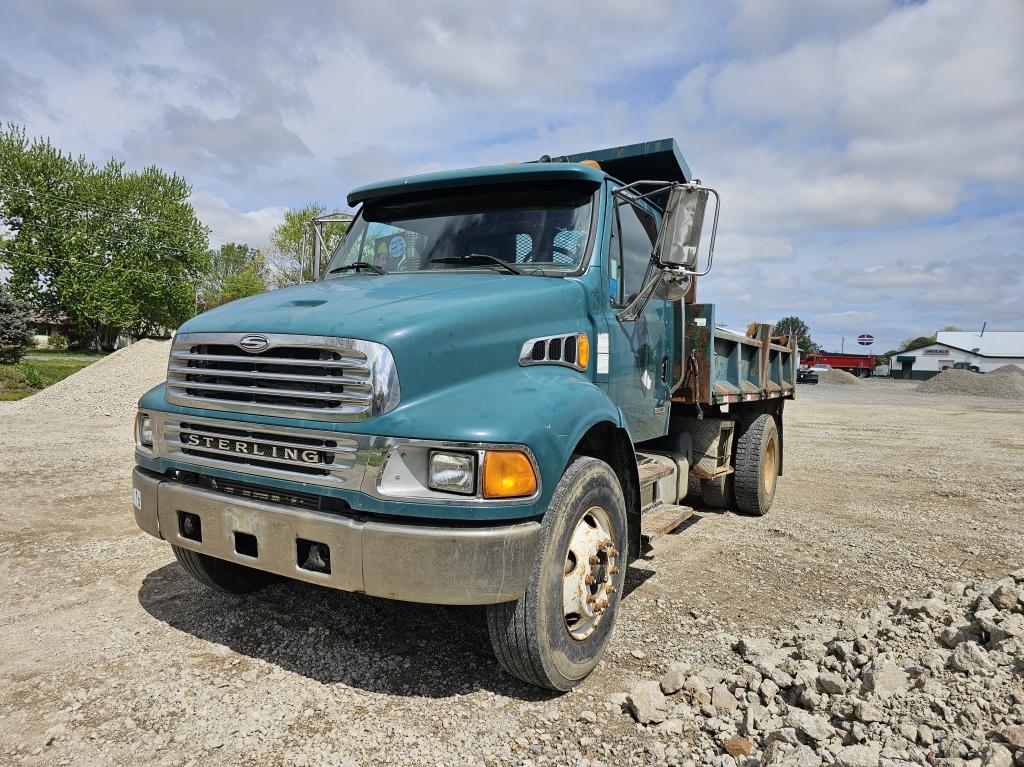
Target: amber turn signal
pixel 508 474
pixel 582 350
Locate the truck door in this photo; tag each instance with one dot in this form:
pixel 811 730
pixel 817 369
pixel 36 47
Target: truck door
pixel 640 363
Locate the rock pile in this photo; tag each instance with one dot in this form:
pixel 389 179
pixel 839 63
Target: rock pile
pixel 933 681
pixel 1003 384
pixel 840 377
pixel 109 387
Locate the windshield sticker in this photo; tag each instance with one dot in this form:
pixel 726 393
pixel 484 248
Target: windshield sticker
pixel 396 248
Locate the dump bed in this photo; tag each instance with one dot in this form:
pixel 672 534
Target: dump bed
pixel 722 366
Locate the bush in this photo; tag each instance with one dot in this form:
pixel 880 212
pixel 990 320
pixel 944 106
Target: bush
pixel 33 376
pixel 15 335
pixel 57 341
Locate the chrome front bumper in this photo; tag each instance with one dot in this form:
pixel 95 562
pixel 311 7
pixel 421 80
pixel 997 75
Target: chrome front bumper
pixel 416 563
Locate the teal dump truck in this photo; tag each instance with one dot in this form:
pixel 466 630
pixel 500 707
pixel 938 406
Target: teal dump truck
pixel 497 393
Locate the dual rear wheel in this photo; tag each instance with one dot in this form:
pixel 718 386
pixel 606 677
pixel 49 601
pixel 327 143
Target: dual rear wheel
pixel 750 488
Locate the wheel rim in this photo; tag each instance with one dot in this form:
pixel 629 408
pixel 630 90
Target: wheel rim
pixel 769 467
pixel 590 564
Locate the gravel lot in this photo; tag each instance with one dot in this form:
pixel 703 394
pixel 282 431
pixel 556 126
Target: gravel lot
pixel 112 655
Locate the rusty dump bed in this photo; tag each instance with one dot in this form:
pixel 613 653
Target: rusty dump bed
pixel 722 366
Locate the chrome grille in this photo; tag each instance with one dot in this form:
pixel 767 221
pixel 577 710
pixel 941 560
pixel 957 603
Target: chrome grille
pixel 316 377
pixel 301 455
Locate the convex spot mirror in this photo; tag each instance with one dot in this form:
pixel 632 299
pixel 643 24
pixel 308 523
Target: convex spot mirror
pixel 682 225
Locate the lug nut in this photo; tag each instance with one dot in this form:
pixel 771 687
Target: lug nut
pixel 613 570
pixel 589 580
pixel 610 589
pixel 593 559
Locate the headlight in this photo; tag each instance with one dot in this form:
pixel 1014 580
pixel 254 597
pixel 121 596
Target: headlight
pixel 144 429
pixel 452 472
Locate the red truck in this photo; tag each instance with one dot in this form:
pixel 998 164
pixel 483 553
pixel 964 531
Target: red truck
pixel 860 365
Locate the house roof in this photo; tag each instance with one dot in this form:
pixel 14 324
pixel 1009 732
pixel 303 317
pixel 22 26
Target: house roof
pixel 994 343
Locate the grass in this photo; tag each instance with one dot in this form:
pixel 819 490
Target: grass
pixel 37 370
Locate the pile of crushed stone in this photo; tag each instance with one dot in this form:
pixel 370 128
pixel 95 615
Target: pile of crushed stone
pixel 1007 369
pixel 933 681
pixel 1004 385
pixel 108 387
pixel 840 377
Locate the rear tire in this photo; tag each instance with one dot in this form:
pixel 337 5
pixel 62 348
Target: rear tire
pixel 758 453
pixel 221 575
pixel 541 638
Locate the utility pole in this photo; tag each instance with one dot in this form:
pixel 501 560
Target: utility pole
pixel 842 346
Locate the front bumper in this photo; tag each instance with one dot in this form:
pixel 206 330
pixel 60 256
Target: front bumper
pixel 417 563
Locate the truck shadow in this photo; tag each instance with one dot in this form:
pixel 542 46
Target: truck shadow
pixel 335 637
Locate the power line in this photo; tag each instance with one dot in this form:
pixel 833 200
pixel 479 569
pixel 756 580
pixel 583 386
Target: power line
pixel 147 220
pixel 107 240
pixel 153 221
pixel 109 266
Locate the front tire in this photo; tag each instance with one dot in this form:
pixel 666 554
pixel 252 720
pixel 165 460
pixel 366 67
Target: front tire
pixel 555 634
pixel 219 574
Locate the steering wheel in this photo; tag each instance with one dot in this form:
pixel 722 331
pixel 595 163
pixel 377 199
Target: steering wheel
pixel 570 253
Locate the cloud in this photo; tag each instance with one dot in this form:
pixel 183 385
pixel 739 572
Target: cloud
pixel 897 275
pixel 236 146
pixel 733 247
pixel 228 225
pixel 18 90
pixel 890 122
pixel 775 26
pixel 845 319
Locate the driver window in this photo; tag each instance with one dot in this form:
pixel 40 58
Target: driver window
pixel 633 240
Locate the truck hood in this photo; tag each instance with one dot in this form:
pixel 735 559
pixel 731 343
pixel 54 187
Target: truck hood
pixel 438 326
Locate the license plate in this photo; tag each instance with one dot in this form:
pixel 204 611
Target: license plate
pixel 137 498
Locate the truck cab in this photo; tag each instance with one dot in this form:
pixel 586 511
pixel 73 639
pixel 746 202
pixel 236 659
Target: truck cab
pixel 497 393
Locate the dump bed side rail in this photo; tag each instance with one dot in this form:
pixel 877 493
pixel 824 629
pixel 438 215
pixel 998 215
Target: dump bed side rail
pixel 721 366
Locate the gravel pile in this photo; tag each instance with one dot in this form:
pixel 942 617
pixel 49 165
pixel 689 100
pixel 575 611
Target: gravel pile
pixel 1005 369
pixel 929 681
pixel 840 377
pixel 109 387
pixel 1003 385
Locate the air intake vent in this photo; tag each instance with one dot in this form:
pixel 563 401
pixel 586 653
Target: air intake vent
pixel 553 350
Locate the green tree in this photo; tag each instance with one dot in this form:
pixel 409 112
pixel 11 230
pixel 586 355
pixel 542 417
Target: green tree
pixel 794 326
pixel 286 244
pixel 15 334
pixel 113 251
pixel 235 271
pixel 914 343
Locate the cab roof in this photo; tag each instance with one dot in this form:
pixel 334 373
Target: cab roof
pixel 653 160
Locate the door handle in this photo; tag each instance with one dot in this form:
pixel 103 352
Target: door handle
pixel 664 369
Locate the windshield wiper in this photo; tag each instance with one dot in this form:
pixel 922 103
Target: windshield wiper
pixel 477 259
pixel 357 265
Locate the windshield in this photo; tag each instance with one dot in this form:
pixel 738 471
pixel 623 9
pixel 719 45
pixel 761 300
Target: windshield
pixel 536 230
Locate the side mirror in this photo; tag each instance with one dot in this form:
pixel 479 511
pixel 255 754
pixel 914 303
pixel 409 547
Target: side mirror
pixel 681 226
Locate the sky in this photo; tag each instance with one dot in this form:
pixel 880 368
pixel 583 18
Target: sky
pixel 869 154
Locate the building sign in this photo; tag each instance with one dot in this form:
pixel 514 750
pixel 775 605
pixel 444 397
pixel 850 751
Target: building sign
pixel 866 339
pixel 935 351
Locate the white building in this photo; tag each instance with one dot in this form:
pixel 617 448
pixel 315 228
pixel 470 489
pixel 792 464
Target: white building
pixel 985 351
